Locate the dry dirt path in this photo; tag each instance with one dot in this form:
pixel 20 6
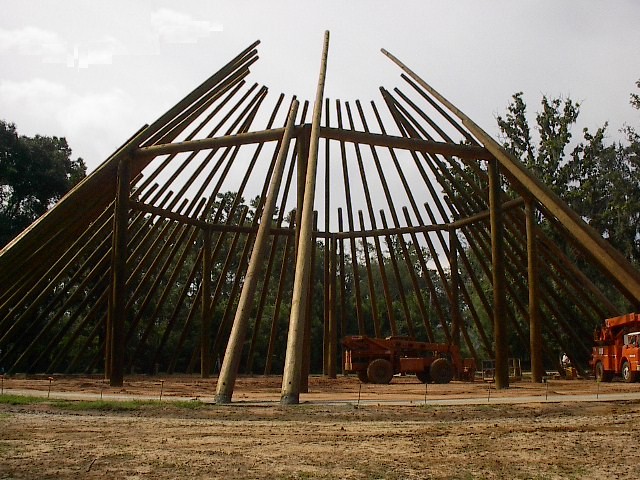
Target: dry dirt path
pixel 335 440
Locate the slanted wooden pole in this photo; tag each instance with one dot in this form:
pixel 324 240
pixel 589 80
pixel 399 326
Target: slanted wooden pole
pixel 233 354
pixel 302 147
pixel 499 297
pixel 535 331
pixel 118 301
pixel 293 359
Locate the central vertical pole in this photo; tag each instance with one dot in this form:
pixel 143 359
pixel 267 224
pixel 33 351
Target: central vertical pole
pixel 117 310
pixel 233 353
pixel 535 332
pixel 497 257
pixel 293 360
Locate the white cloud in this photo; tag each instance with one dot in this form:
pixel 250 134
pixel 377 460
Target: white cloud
pixel 98 52
pixel 92 122
pixel 175 27
pixel 55 50
pixel 31 41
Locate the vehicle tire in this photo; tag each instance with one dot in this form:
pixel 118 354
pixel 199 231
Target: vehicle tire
pixel 628 375
pixel 362 376
pixel 380 371
pixel 441 370
pixel 424 376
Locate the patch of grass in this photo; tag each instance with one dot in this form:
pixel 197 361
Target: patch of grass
pixel 101 405
pixel 20 400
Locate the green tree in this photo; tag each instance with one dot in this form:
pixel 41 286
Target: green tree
pixel 553 123
pixel 34 174
pixel 600 181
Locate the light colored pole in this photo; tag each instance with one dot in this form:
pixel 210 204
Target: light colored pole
pixel 293 360
pixel 231 362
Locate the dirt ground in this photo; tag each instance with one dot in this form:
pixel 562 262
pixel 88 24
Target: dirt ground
pixel 394 431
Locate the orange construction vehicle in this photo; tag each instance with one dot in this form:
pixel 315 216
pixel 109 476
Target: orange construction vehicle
pixel 616 349
pixel 377 360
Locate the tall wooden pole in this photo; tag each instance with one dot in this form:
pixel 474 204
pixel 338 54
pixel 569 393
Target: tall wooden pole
pixel 333 321
pixel 118 300
pixel 455 286
pixel 233 354
pixel 535 331
pixel 293 360
pixel 302 150
pixel 499 297
pixel 205 332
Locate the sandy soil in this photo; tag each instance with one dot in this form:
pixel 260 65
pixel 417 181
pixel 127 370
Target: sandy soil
pixel 256 438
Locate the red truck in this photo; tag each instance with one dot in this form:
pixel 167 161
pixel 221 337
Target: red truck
pixel 616 351
pixel 377 360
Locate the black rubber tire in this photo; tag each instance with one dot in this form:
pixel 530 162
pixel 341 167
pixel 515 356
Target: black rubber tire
pixel 362 376
pixel 441 371
pixel 380 371
pixel 628 375
pixel 424 376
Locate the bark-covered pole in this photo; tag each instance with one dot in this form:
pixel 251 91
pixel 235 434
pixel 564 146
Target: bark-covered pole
pixel 293 360
pixel 456 319
pixel 535 332
pixel 333 312
pixel 118 300
pixel 497 257
pixel 233 354
pixel 205 331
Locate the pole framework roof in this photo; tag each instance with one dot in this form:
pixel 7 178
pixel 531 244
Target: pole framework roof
pixel 396 178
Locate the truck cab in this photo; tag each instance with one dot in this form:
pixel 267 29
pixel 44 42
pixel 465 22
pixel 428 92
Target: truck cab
pixel 616 349
pixel 630 361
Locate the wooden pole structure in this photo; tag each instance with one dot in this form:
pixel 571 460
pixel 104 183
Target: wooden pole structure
pixel 229 371
pixel 284 270
pixel 293 359
pixel 396 221
pixel 351 227
pixel 535 332
pixel 377 328
pixel 117 311
pixel 499 297
pixel 376 238
pixel 611 261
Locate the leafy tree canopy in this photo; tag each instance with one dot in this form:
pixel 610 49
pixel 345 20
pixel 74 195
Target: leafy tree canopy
pixel 600 181
pixel 35 172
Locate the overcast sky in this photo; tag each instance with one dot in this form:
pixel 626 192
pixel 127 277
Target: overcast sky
pixel 95 72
